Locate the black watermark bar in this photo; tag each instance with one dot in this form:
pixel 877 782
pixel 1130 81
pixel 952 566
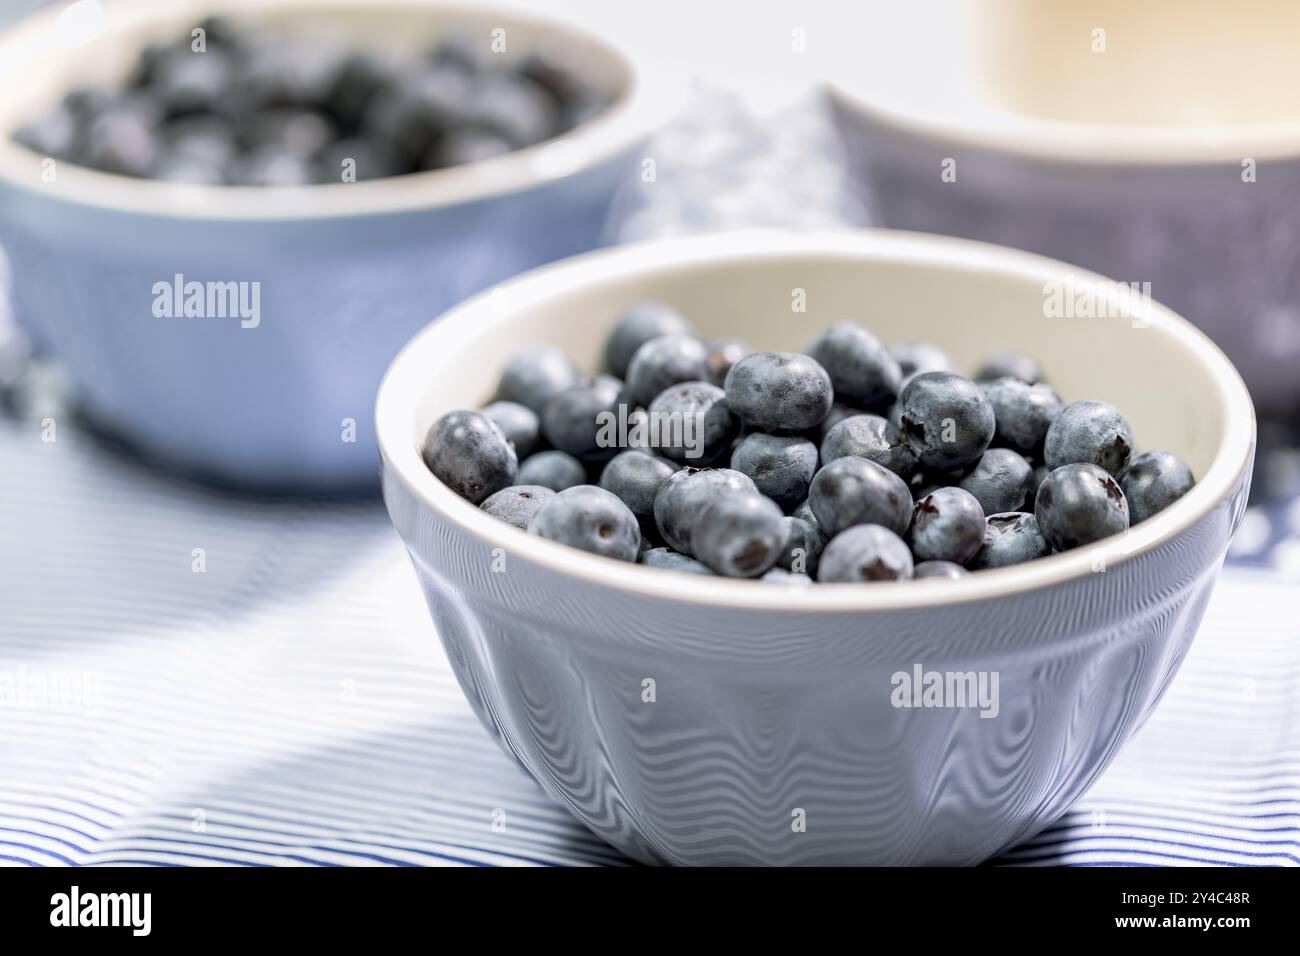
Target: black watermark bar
pixel 329 906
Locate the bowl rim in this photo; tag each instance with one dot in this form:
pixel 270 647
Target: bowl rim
pixel 407 379
pixel 640 108
pixel 1075 142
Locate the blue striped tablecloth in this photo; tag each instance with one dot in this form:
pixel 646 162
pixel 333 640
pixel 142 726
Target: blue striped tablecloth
pixel 290 704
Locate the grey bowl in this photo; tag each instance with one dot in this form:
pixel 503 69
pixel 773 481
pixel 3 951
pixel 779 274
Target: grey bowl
pixel 696 720
pixel 997 122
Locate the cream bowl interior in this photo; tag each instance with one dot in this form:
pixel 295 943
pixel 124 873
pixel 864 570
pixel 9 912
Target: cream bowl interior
pixel 1168 81
pixel 39 64
pixel 1177 389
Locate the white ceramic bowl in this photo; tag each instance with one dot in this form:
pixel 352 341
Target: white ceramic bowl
pixel 771 705
pixel 347 272
pixel 1101 134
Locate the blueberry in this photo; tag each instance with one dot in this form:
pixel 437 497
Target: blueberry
pixel 1011 538
pixel 145 71
pixel 938 569
pixel 302 132
pixel 520 424
pixel 663 362
pixel 670 560
pixel 946 420
pixel 779 391
pixel 805 513
pixel 358 79
pixel 186 81
pixel 1008 365
pixel 513 107
pixel 635 477
pixel 803 544
pixel 637 326
pixel 468 453
pixel 739 535
pixel 122 140
pixel 578 419
pixel 839 411
pixel 690 422
pixel 865 552
pixel 863 371
pixel 87 102
pixel 1023 413
pixel 591 519
pixel 461 52
pixel 947 525
pixel 724 353
pixel 416 109
pixel 1078 504
pixel 517 504
pixel 1153 482
pixel 533 376
pixel 465 144
pixel 1002 480
pixel 207 139
pixel 782 466
pixel 552 469
pixel 240 104
pixel 870 437
pixel 786 577
pixel 272 71
pixel 1089 432
pixel 851 491
pixel 915 357
pixel 685 495
pixel 271 166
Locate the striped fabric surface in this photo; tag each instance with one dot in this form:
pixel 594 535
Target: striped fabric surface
pixel 191 678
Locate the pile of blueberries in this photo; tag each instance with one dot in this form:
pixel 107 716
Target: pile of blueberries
pixel 278 110
pixel 849 462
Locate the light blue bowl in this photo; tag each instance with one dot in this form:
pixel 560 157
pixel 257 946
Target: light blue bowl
pixel 344 274
pixel 700 720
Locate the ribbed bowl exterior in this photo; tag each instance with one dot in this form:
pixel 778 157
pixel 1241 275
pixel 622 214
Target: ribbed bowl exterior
pixel 771 738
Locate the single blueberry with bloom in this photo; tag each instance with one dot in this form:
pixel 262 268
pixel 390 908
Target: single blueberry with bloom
pixel 1010 538
pixel 1089 432
pixel 865 553
pixel 946 419
pixel 739 536
pixel 1080 504
pixel 779 391
pixel 1154 481
pixel 590 519
pixel 470 454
